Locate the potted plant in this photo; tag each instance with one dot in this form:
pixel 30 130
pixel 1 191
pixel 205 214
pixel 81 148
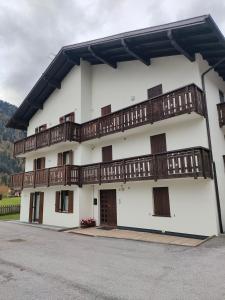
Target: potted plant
pixel 87 222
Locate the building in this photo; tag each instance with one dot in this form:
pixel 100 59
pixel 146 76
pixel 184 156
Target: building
pixel 129 130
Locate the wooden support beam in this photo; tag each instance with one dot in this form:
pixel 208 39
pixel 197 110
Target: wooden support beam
pixel 52 82
pixel 133 53
pixel 102 59
pixel 178 47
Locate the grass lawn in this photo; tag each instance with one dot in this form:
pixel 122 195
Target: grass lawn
pixel 10 201
pixel 10 217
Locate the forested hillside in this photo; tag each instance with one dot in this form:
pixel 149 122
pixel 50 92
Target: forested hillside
pixel 8 164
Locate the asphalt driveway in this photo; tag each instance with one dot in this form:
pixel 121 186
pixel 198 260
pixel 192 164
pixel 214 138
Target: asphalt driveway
pixel 42 264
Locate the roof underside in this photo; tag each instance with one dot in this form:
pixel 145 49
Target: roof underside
pixel 188 37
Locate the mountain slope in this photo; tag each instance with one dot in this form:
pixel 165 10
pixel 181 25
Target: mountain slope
pixel 8 164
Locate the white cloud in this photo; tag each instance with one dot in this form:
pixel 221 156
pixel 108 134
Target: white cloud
pixel 31 31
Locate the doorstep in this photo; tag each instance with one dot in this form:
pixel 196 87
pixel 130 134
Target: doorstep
pixel 138 236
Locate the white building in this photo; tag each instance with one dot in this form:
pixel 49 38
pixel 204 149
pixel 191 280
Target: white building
pixel 96 147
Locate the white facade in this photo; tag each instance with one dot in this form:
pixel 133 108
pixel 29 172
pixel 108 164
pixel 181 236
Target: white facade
pixel 88 88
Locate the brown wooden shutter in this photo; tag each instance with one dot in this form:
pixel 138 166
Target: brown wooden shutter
pixel 158 143
pixel 106 110
pixel 72 117
pixel 57 201
pixel 107 153
pixel 70 204
pixel 34 164
pixel 41 207
pixel 42 163
pixel 161 201
pixel 31 206
pixel 61 120
pixel 155 91
pixel 60 159
pixel 71 157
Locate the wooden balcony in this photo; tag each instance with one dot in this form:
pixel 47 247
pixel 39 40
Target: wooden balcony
pixel 64 175
pixel 180 101
pixel 221 113
pixel 191 162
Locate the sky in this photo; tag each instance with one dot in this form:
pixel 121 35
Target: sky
pixel 33 31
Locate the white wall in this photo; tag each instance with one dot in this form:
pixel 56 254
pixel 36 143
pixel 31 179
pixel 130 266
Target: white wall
pixel 132 79
pixel 50 217
pixel 192 206
pixel 213 83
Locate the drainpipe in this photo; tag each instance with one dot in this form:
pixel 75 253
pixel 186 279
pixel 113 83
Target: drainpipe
pixel 210 144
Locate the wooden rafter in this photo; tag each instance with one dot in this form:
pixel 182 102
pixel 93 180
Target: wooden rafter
pixel 178 47
pixel 101 58
pixel 133 53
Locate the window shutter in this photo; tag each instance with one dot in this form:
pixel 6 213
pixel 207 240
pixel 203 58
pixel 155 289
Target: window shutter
pixel 34 164
pixel 57 201
pixel 36 130
pixel 42 162
pixel 155 91
pixel 61 120
pixel 31 206
pixel 60 159
pixel 106 110
pixel 71 157
pixel 72 117
pixel 107 153
pixel 161 201
pixel 41 207
pixel 70 206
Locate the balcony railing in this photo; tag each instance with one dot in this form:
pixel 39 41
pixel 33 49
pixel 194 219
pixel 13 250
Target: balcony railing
pixel 191 162
pixel 181 101
pixel 221 113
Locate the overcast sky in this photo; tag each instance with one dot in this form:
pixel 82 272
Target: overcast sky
pixel 33 31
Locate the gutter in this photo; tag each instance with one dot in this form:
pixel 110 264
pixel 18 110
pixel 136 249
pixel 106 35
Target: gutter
pixel 210 144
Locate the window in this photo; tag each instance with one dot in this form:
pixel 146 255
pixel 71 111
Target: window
pixel 39 163
pixel 64 202
pixel 107 153
pixel 65 158
pixel 221 94
pixel 67 118
pixel 106 110
pixel 41 128
pixel 161 202
pixel 155 91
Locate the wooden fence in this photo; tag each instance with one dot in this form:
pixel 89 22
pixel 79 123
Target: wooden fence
pixel 9 209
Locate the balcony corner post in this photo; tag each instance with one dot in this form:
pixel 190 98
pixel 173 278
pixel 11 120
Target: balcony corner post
pixel 124 172
pixel 34 178
pixel 155 160
pixel 194 165
pixel 100 174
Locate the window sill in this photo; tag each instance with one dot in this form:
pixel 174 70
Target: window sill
pixel 161 216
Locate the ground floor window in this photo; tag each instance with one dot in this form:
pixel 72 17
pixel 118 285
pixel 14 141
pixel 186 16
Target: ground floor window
pixel 64 201
pixel 161 201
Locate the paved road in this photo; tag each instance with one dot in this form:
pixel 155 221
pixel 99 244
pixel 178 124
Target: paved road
pixel 46 264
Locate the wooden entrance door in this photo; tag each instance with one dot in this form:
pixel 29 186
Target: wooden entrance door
pixel 36 207
pixel 108 214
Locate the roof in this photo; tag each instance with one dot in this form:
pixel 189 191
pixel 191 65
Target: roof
pixel 187 37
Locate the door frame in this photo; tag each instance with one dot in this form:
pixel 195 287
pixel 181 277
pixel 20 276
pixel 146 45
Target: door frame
pixel 32 208
pixel 100 222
